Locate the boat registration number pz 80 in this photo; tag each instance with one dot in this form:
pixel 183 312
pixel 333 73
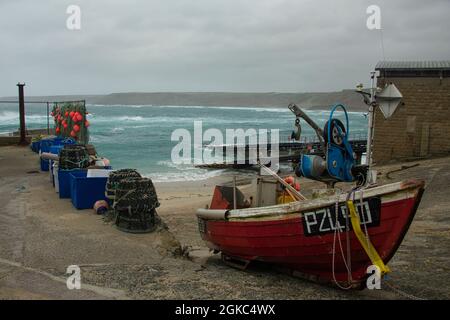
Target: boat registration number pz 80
pixel 323 220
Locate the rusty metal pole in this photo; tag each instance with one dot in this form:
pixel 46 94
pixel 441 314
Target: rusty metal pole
pixel 23 140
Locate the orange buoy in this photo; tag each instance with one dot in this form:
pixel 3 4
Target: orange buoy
pixel 101 206
pixel 291 181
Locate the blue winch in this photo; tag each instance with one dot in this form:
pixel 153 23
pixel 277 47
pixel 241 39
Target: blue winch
pixel 339 156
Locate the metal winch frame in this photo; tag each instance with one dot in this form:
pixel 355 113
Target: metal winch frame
pixel 386 99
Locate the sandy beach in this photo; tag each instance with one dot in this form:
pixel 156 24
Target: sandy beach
pixel 41 235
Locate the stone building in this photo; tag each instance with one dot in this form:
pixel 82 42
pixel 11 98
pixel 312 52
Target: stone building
pixel 420 126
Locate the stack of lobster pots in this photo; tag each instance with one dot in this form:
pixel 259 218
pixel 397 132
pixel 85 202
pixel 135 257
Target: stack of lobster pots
pixel 73 157
pixel 134 201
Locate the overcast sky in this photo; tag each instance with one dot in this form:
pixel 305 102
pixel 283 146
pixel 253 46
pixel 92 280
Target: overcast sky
pixel 210 45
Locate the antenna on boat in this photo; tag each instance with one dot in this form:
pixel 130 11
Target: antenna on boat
pixel 372 104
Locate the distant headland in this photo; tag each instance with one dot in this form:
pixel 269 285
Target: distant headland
pixel 309 100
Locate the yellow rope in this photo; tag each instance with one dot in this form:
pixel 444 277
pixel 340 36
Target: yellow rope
pixel 364 241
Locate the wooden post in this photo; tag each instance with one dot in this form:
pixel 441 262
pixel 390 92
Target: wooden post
pixel 23 140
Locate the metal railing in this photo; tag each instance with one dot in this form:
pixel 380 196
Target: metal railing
pixel 47 103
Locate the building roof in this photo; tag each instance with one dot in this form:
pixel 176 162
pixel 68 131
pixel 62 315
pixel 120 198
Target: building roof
pixel 413 65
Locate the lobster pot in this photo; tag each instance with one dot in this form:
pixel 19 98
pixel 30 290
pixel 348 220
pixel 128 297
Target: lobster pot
pixel 115 177
pixel 135 205
pixel 73 157
pixel 136 222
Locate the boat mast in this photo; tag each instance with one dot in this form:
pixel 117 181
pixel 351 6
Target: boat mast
pixel 370 130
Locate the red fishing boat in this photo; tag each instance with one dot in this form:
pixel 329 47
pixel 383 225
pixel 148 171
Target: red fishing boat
pixel 332 238
pixel 306 237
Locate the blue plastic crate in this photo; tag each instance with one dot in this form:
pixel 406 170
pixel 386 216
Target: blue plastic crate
pixel 52 145
pixel 35 146
pixel 45 145
pixel 64 182
pixel 56 149
pixel 44 165
pixel 61 141
pixel 86 191
pixel 58 140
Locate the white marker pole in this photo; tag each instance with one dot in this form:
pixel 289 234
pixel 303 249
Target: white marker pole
pixel 370 129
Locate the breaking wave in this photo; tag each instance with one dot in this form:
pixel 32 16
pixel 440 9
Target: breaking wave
pixel 11 117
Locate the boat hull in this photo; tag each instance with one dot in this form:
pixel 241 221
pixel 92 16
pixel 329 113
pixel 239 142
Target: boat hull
pixel 307 241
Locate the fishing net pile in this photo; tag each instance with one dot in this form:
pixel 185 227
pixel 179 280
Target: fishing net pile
pixel 134 201
pixel 70 121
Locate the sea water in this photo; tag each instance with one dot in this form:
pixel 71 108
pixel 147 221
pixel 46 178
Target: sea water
pixel 139 136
